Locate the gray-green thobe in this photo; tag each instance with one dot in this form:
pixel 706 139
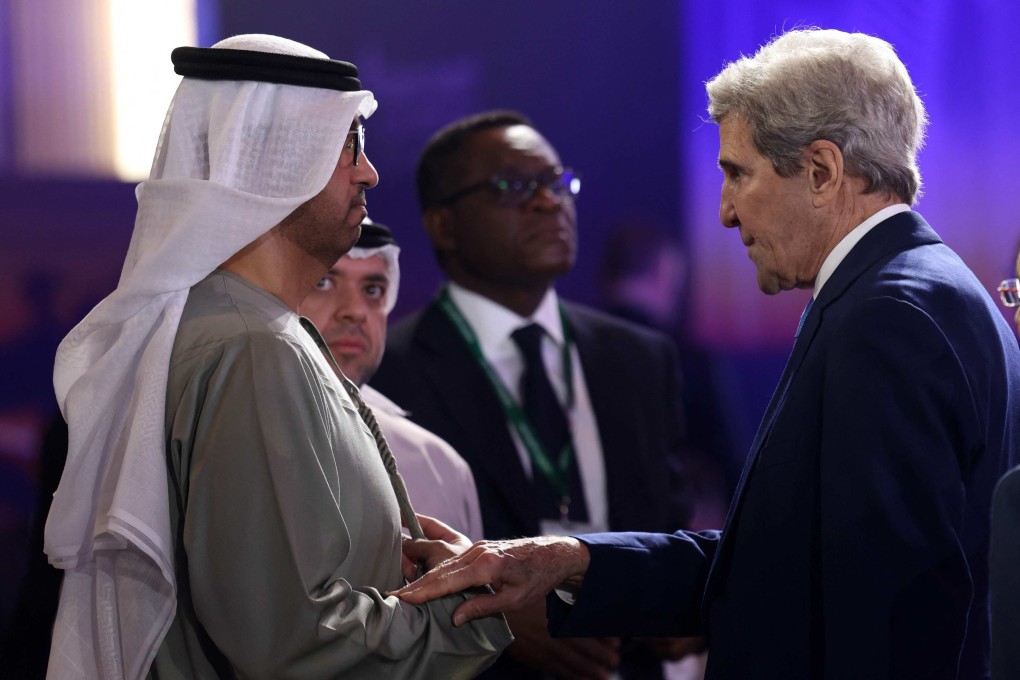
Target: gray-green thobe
pixel 287 529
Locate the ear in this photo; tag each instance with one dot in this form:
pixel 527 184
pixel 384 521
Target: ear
pixel 439 227
pixel 824 171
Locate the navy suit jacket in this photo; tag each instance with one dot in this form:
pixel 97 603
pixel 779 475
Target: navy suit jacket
pixel 856 544
pixel 632 380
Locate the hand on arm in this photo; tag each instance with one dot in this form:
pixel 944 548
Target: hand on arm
pixel 442 544
pixel 520 572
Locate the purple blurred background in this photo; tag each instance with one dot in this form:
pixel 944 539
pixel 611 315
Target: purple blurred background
pixel 616 87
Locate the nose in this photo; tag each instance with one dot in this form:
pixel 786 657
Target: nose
pixel 544 199
pixel 348 305
pixel 365 173
pixel 349 311
pixel 727 209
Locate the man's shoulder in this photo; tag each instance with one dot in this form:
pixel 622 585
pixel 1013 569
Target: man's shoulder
pixel 903 257
pixel 403 433
pixel 932 278
pixel 224 315
pixel 925 296
pixel 223 292
pixel 415 328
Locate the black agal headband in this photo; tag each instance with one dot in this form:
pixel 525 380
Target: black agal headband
pixel 374 235
pixel 285 69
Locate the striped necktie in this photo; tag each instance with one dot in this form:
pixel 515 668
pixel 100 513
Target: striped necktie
pixel 803 315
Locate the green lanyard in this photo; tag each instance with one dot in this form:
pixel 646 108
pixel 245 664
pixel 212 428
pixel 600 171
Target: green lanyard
pixel 555 472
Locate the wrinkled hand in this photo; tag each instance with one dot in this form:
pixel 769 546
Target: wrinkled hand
pixel 580 658
pixel 520 572
pixel 442 544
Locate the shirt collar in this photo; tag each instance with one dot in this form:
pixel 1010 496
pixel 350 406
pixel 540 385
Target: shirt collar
pixel 379 401
pixel 844 247
pixel 493 323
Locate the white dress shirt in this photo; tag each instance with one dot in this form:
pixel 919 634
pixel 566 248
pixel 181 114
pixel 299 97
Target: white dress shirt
pixel 493 324
pixel 844 247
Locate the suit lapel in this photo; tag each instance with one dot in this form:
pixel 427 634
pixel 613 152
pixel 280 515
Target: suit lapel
pixel 610 410
pixel 899 232
pixel 800 348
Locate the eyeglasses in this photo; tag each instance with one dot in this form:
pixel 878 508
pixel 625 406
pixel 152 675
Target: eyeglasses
pixel 1009 292
pixel 513 190
pixel 356 143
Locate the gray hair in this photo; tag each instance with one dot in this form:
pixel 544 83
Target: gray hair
pixel 847 88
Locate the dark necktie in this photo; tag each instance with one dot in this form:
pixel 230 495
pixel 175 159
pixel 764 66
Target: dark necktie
pixel 545 414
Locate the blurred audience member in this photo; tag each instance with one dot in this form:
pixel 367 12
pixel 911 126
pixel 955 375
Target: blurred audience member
pixel 350 306
pixel 25 650
pixel 27 365
pixel 567 417
pixel 643 276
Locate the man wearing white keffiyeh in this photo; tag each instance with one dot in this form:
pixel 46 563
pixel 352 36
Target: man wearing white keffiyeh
pixel 224 511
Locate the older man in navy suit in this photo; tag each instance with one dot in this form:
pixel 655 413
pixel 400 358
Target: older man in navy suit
pixel 856 544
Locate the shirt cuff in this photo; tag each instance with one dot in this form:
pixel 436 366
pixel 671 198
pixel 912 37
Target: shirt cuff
pixel 567 593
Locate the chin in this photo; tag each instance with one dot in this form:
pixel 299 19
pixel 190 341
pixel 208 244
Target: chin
pixel 556 268
pixel 769 286
pixel 557 258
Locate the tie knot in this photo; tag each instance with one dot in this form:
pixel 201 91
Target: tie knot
pixel 529 340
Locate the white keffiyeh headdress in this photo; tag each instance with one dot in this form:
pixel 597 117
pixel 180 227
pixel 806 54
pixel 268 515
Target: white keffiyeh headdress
pixel 377 241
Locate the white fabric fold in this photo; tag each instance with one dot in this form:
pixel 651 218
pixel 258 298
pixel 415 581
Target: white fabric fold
pixel 234 158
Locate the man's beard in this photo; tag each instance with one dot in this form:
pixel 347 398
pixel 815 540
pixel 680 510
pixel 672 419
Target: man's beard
pixel 326 239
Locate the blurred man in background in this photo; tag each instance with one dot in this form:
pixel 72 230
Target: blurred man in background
pixel 570 419
pixel 350 307
pixel 644 276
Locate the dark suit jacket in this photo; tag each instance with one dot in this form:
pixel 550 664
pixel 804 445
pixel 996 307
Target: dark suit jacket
pixel 1005 577
pixel 631 375
pixel 856 545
